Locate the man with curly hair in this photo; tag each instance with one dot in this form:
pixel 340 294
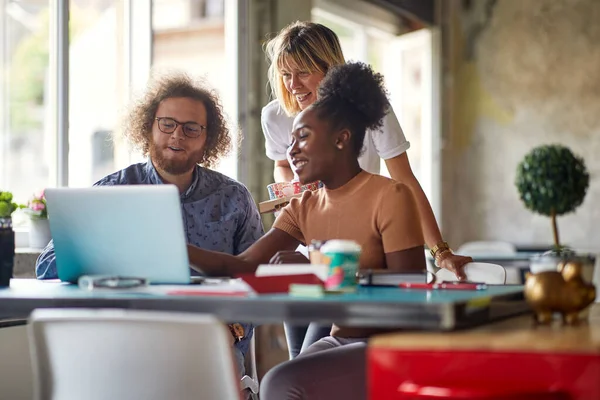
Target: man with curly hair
pixel 179 125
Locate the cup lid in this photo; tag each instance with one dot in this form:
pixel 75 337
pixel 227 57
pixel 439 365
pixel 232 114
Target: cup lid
pixel 342 246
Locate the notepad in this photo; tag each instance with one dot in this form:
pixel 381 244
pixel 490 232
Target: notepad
pixel 306 290
pixel 320 270
pixel 386 278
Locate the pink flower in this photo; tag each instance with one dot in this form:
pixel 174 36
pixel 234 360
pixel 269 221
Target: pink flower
pixel 36 207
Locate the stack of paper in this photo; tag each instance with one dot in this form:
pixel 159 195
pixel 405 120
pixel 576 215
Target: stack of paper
pixel 319 270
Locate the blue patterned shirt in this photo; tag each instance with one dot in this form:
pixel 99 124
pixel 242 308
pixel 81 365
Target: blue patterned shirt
pixel 218 213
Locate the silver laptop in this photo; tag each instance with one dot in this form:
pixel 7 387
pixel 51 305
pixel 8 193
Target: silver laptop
pixel 134 231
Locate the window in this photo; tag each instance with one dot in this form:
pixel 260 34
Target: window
pixel 98 89
pixel 360 42
pixel 189 36
pixel 26 157
pixel 97 93
pixel 102 53
pixel 408 63
pixel 108 53
pixel 413 97
pixel 103 157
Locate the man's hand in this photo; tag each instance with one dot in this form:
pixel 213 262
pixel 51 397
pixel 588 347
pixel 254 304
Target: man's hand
pixel 289 257
pixel 454 263
pixel 195 256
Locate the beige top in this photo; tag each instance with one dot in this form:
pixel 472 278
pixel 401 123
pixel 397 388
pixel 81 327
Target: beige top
pixel 516 334
pixel 378 213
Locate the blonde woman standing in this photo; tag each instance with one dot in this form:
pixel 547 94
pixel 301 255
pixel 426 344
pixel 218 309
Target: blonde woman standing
pixel 300 56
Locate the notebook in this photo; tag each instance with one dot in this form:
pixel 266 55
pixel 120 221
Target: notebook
pixel 386 278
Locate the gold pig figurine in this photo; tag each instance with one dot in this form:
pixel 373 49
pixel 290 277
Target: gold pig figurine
pixel 563 291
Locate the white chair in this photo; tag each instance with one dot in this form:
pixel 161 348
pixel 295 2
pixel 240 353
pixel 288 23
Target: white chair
pixel 122 354
pixel 486 248
pixel 492 274
pixel 16 377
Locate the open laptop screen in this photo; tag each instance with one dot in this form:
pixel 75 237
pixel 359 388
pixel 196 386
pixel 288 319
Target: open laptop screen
pixel 134 230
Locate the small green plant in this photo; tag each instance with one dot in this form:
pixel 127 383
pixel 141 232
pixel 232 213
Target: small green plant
pixel 7 206
pixel 552 181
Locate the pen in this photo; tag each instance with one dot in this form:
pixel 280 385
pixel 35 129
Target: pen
pixel 444 286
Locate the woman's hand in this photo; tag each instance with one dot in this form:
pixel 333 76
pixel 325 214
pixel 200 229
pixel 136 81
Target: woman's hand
pixel 454 263
pixel 289 257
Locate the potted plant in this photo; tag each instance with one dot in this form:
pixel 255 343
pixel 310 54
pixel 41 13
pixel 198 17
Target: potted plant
pixel 39 231
pixel 7 238
pixel 552 181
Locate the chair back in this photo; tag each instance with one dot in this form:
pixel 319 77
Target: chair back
pixel 486 248
pixel 492 274
pixel 16 378
pixel 123 354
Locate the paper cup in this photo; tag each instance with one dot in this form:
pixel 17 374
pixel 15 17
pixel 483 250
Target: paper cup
pixel 343 257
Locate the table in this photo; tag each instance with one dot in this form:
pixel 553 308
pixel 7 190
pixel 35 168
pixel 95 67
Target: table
pixel 370 306
pixel 504 359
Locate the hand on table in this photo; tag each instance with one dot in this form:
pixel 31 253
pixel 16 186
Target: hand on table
pixel 454 263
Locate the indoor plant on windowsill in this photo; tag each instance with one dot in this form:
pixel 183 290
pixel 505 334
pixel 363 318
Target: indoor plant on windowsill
pixel 7 238
pixel 39 231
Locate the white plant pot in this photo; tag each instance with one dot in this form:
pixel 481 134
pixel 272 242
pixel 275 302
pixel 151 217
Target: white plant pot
pixel 39 233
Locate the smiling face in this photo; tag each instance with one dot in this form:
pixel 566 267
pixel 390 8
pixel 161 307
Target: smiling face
pixel 301 84
pixel 176 153
pixel 314 149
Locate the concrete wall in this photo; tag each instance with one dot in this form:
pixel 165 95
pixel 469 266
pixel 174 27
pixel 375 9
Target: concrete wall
pixel 517 74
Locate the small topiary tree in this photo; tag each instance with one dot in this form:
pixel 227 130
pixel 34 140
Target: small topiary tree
pixel 552 181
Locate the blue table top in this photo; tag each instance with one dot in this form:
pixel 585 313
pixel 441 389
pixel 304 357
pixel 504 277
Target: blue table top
pixel 369 306
pixel 398 295
pixel 25 288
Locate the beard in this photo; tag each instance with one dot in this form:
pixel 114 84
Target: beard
pixel 175 166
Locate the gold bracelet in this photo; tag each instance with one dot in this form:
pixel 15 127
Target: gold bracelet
pixel 440 256
pixel 439 247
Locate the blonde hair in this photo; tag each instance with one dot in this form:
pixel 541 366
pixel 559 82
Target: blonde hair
pixel 310 46
pixel 138 124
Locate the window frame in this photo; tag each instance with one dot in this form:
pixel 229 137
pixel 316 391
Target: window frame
pixel 137 57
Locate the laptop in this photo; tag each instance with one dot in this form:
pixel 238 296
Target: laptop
pixel 133 231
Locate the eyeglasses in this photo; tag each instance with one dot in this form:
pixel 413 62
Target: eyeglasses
pixel 91 282
pixel 190 129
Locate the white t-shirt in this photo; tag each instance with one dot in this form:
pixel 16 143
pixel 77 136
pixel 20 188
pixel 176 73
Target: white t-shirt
pixel 385 143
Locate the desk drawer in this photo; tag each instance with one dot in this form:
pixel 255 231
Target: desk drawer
pixel 396 374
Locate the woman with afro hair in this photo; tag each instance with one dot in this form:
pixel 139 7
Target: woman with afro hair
pixel 378 213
